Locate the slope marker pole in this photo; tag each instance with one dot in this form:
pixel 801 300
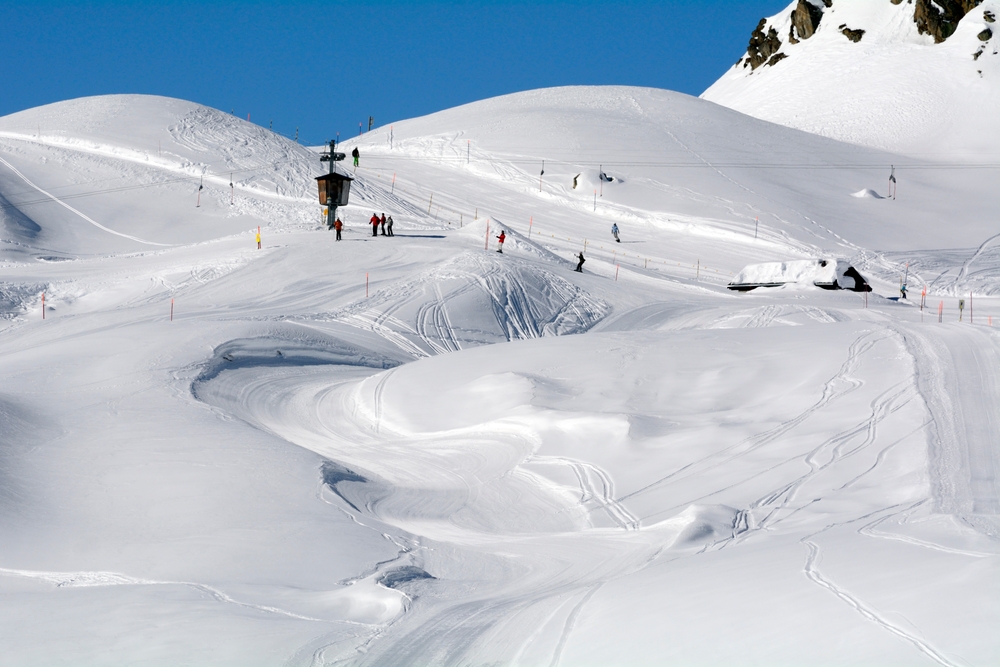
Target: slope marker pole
pixel 171 310
pixel 616 273
pixel 43 305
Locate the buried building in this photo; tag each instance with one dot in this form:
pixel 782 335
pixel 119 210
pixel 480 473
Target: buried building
pixel 825 273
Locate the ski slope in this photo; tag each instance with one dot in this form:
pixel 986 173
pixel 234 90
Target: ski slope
pixel 417 450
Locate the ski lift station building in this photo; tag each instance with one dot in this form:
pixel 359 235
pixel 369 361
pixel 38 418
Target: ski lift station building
pixel 825 273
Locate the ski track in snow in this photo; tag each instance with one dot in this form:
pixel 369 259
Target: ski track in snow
pixel 869 613
pixel 73 210
pixel 91 579
pixel 965 421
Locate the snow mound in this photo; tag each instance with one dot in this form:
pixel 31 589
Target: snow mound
pixel 894 89
pixel 867 193
pixel 170 134
pixel 827 273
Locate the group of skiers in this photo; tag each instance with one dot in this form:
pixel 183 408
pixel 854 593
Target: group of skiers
pixel 386 224
pixel 376 221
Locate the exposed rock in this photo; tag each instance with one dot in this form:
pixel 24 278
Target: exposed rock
pixel 939 18
pixel 805 19
pixel 853 35
pixel 762 45
pixel 989 17
pixel 776 58
pixel 985 35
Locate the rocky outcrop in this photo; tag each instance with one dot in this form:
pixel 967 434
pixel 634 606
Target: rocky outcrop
pixel 805 19
pixel 939 18
pixel 985 35
pixel 763 45
pixel 853 35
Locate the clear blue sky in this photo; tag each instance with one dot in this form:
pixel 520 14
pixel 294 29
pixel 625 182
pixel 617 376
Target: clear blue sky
pixel 326 66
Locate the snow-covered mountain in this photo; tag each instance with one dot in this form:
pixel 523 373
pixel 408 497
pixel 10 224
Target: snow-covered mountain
pixel 920 77
pixel 418 450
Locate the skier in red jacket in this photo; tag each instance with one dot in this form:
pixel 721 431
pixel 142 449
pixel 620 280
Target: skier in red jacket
pixel 500 240
pixel 375 223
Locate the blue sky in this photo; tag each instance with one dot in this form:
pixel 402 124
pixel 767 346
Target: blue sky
pixel 326 66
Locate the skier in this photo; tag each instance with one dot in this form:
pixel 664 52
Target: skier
pixel 579 266
pixel 338 225
pixel 258 240
pixel 389 223
pixel 374 222
pixel 614 232
pixel 382 221
pixel 902 291
pixel 356 155
pixel 500 240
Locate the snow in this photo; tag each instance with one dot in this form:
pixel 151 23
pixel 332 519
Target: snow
pixel 895 89
pixel 819 272
pixel 415 450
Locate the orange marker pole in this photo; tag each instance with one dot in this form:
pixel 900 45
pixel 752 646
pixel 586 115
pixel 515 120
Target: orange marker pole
pixel 531 221
pixel 43 305
pixel 616 273
pixel 393 188
pixel 171 310
pixel 941 312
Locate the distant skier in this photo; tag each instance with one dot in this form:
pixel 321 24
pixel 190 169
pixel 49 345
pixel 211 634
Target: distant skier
pixel 356 154
pixel 579 266
pixel 389 225
pixel 338 225
pixel 382 221
pixel 614 232
pixel 500 240
pixel 258 240
pixel 374 223
pixel 902 291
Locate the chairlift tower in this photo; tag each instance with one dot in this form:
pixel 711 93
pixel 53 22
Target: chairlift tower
pixel 334 188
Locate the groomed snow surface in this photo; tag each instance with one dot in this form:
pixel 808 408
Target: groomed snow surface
pixel 419 451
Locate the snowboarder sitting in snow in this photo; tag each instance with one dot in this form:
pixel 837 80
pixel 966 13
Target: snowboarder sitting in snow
pixel 356 155
pixel 614 232
pixel 374 222
pixel 579 266
pixel 500 240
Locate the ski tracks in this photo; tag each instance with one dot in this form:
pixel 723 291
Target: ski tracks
pixel 597 490
pixel 867 611
pixel 841 384
pixel 958 375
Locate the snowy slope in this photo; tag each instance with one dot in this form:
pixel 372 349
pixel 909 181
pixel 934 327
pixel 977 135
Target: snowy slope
pixel 895 89
pixel 416 450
